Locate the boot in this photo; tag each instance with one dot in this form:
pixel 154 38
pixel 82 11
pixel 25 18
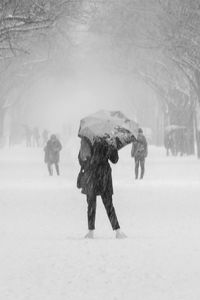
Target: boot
pixel 120 234
pixel 90 234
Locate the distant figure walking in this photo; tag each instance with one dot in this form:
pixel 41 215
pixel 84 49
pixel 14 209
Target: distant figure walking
pixel 168 143
pixel 95 179
pixel 52 154
pixel 28 135
pixel 36 137
pixel 45 136
pixel 139 151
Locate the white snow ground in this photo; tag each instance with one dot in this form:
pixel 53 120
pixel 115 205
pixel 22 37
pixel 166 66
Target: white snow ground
pixel 43 255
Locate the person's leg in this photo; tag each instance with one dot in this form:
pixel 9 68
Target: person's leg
pixel 57 169
pixel 142 165
pixel 136 168
pixel 50 169
pixel 91 211
pixel 107 201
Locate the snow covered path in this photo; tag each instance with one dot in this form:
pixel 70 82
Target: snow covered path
pixel 42 221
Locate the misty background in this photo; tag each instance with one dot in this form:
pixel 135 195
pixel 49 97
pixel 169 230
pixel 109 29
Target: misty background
pixel 62 60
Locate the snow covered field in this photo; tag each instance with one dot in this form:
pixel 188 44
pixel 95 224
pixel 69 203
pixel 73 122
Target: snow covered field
pixel 43 255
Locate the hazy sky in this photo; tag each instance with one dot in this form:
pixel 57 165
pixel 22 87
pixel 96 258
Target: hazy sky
pixel 55 102
pixel 83 83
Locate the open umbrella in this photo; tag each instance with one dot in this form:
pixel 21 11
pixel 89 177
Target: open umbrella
pixel 113 126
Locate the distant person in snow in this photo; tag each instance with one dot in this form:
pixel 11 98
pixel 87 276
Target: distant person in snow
pixel 139 151
pixel 36 137
pixel 28 135
pixel 45 136
pixel 95 179
pixel 168 143
pixel 52 154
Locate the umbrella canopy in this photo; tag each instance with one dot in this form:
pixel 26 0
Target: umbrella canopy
pixel 113 126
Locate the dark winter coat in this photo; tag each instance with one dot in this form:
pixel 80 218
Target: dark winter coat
pixel 52 151
pixel 139 147
pixel 96 170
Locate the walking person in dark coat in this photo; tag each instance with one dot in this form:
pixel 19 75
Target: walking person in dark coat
pixel 95 179
pixel 139 152
pixel 52 154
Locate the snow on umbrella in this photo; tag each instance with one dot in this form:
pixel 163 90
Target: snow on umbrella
pixel 114 126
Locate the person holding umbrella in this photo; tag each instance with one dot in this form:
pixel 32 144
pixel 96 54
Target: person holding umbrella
pixel 102 135
pixel 95 180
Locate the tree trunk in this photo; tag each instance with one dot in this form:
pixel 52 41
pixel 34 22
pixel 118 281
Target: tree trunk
pixel 197 129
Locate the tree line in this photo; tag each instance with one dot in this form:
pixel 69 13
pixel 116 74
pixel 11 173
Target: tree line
pixel 156 41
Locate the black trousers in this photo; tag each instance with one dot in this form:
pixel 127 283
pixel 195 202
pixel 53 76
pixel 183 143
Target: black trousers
pixel 139 162
pixel 91 213
pixel 50 168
